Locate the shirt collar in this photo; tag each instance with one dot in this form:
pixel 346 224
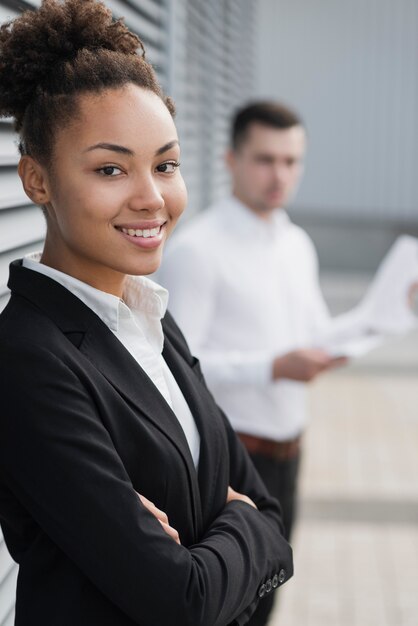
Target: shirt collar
pixel 247 222
pixel 141 294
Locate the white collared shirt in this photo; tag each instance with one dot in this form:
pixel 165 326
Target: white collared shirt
pixel 136 322
pixel 245 290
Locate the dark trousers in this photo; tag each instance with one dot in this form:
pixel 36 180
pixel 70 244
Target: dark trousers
pixel 280 478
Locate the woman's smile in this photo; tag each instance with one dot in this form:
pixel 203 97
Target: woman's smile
pixel 144 235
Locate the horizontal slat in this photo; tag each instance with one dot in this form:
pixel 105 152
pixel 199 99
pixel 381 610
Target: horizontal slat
pixel 7 14
pixel 9 153
pixel 11 194
pixel 6 561
pixel 9 160
pixel 7 594
pixel 8 257
pixel 10 619
pixel 151 8
pixel 21 227
pixel 137 22
pixel 155 56
pixel 21 5
pixel 3 301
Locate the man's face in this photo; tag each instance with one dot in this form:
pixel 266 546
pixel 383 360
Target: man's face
pixel 267 166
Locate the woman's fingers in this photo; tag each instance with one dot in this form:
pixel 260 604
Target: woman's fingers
pixel 171 532
pixel 235 495
pixel 161 517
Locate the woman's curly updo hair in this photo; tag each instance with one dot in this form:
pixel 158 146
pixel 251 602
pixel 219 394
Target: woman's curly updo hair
pixel 48 57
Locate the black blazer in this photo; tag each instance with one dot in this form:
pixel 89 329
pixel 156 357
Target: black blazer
pixel 82 429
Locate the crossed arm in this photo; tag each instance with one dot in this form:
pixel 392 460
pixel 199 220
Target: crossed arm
pixel 163 518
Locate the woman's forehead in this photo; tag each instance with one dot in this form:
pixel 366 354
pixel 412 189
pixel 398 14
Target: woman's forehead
pixel 127 115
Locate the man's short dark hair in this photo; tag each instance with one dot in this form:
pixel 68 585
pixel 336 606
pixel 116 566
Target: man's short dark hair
pixel 266 113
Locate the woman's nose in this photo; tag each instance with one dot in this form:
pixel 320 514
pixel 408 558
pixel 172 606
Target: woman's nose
pixel 146 195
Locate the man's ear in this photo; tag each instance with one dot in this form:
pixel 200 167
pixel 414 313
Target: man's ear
pixel 34 180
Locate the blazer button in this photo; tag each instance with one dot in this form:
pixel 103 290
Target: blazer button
pixel 282 576
pixel 269 585
pixel 262 591
pixel 275 581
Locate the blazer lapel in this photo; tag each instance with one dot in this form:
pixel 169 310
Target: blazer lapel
pixel 208 421
pixel 112 359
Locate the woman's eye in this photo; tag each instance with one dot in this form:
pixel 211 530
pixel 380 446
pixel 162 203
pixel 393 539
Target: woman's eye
pixel 169 167
pixel 109 171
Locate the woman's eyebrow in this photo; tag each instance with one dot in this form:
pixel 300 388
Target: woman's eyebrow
pixel 112 147
pixel 123 150
pixel 166 147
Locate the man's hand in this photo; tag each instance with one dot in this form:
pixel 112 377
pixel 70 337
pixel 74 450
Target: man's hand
pixel 234 495
pixel 161 517
pixel 304 365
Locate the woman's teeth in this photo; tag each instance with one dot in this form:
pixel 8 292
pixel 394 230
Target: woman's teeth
pixel 152 232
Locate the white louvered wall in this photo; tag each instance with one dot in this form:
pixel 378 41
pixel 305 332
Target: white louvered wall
pixel 203 53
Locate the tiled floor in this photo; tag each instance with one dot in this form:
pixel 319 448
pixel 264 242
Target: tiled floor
pixel 356 544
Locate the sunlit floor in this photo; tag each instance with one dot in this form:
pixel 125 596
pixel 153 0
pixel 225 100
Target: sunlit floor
pixel 356 544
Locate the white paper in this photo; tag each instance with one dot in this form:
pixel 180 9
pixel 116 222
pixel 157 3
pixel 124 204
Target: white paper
pixel 390 306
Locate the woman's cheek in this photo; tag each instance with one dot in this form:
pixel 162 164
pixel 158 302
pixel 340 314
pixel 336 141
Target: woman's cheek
pixel 181 198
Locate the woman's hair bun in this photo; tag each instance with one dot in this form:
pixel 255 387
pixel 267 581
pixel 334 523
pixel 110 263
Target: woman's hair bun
pixel 37 43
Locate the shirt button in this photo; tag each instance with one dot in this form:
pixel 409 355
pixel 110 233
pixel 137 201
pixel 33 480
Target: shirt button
pixel 275 581
pixel 269 585
pixel 282 576
pixel 262 591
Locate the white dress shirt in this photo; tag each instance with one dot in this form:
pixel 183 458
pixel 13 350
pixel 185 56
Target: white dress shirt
pixel 136 322
pixel 245 290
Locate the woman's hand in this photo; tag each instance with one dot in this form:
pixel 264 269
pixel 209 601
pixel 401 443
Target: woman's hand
pixel 234 495
pixel 161 517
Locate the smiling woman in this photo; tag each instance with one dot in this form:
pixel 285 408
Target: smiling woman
pixel 125 496
pixel 114 178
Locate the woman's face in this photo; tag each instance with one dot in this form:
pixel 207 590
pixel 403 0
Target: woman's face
pixel 115 191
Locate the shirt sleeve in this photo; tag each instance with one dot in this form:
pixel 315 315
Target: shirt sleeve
pixel 191 278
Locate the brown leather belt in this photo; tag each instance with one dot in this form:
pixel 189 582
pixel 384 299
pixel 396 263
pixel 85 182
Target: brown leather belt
pixel 279 450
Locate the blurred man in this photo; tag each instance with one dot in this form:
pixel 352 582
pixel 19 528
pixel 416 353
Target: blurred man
pixel 243 283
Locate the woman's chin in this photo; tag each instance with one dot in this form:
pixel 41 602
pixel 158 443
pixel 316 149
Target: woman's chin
pixel 145 268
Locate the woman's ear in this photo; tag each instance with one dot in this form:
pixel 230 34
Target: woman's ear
pixel 34 180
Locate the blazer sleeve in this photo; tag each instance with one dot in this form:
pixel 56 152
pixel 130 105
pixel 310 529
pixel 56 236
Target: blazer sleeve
pixel 57 457
pixel 245 479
